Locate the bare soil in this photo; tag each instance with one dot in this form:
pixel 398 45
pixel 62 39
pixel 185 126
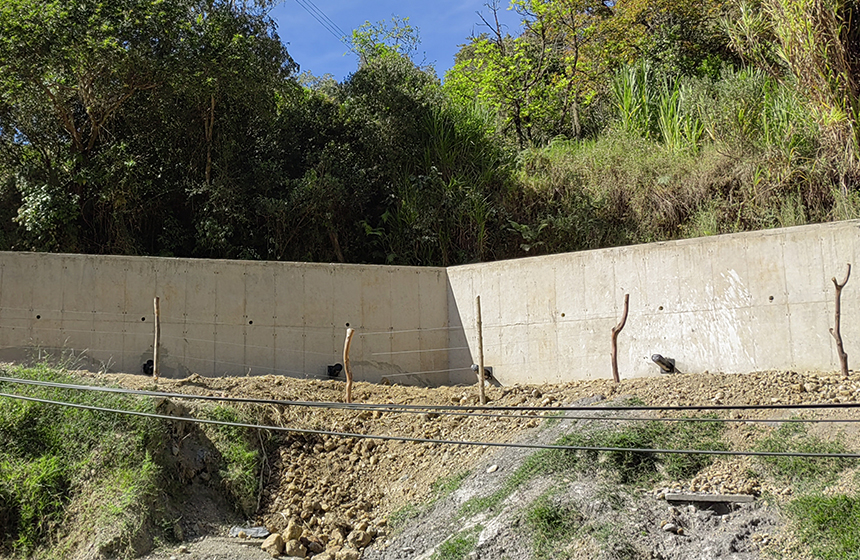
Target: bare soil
pixel 332 485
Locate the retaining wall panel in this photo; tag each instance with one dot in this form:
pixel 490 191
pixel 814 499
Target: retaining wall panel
pixel 765 265
pixel 810 336
pixel 694 277
pixel 288 305
pixel 771 336
pixel 289 351
pixel 260 295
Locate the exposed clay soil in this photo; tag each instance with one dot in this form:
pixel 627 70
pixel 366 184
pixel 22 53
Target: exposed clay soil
pixel 332 485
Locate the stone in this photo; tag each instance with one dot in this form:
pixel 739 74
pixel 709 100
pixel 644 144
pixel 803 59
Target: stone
pixel 323 556
pixel 358 539
pixel 295 548
pixel 337 537
pixel 273 545
pixel 347 554
pixel 492 468
pixel 293 531
pixel 670 528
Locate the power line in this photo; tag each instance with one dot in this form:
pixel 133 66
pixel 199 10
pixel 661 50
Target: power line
pixel 421 409
pixel 325 21
pixel 391 407
pixel 324 16
pixel 439 441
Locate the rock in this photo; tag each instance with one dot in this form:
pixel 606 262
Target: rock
pixel 323 556
pixel 274 545
pixel 492 469
pixel 347 554
pixel 293 531
pixel 184 550
pixel 670 528
pixel 295 548
pixel 337 537
pixel 358 539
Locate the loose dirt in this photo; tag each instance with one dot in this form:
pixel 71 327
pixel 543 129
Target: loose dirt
pixel 334 486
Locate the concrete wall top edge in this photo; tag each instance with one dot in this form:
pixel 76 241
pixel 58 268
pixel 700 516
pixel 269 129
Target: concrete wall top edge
pixel 350 266
pixel 671 244
pixel 229 262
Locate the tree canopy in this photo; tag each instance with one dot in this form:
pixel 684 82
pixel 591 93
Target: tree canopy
pixel 180 127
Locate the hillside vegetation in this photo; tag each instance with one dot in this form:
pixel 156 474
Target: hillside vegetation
pixel 182 128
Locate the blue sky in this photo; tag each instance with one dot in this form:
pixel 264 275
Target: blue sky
pixel 443 25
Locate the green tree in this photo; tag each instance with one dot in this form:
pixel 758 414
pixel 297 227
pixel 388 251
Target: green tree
pixel 539 81
pixel 112 114
pixel 383 38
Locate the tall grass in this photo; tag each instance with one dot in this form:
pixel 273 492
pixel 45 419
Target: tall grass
pixel 634 99
pixel 684 158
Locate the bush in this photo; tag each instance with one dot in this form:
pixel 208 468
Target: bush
pixel 49 453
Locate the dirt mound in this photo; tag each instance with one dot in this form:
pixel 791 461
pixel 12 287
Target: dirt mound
pixel 331 485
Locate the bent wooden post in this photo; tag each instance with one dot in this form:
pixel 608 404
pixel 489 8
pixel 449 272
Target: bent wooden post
pixel 837 334
pixel 615 330
pixel 347 370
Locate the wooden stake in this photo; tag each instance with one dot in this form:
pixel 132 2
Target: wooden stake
pixel 346 368
pixel 843 357
pixel 155 344
pixel 480 352
pixel 615 330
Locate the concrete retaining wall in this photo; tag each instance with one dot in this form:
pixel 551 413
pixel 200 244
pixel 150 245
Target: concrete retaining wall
pixel 226 317
pixel 730 303
pixel 733 303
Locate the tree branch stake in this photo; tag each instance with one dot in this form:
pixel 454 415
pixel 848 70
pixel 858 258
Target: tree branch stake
pixel 843 357
pixel 615 330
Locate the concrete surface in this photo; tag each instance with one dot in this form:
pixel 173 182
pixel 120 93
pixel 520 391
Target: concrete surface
pixel 224 317
pixel 732 303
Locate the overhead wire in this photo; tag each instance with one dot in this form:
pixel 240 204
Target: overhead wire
pixel 442 409
pixel 438 441
pixel 325 21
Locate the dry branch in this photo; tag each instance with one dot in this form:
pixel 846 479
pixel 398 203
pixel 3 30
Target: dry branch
pixel 346 368
pixel 837 334
pixel 615 330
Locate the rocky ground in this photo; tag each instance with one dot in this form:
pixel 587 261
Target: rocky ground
pixel 334 496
